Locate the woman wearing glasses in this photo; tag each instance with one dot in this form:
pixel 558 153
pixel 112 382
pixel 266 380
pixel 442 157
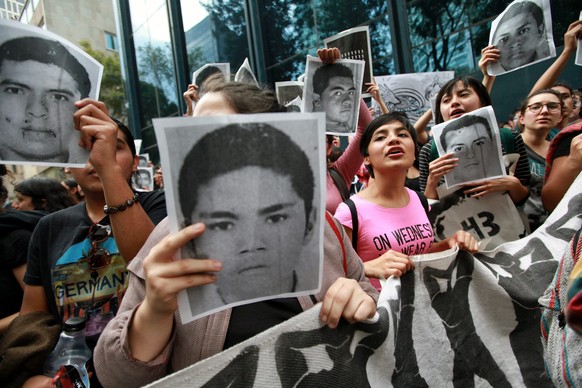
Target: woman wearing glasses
pixel 540 112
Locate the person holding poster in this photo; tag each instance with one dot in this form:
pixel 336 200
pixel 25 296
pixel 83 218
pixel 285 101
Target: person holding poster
pixel 147 341
pixel 457 97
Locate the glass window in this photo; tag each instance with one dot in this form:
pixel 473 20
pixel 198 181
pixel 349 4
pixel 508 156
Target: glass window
pixel 215 31
pixel 35 3
pixel 157 84
pixel 111 41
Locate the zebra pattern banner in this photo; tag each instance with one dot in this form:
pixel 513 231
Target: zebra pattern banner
pixel 457 320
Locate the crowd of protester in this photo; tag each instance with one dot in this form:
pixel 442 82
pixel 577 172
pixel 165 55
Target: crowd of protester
pixel 125 230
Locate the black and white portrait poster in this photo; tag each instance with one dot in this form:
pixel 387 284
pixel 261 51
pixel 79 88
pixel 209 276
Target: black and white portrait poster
pixel 256 182
pixel 412 92
pixel 523 35
pixel 245 74
pixel 144 160
pixel 474 139
pixel 143 179
pixel 202 74
pixel 42 76
pixel 355 44
pixel 288 91
pixel 456 320
pixel 578 60
pixel 335 90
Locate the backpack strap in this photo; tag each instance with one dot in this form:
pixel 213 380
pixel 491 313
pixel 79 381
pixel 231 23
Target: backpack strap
pixel 354 214
pixel 340 183
pixel 339 237
pixel 423 201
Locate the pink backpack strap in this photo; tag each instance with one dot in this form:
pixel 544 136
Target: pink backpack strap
pixel 335 229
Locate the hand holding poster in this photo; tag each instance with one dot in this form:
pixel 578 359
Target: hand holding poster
pixel 335 90
pixel 43 76
pixel 255 181
pixel 355 44
pixel 523 34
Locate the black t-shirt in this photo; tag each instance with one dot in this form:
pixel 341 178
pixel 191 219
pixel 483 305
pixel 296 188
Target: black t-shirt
pixel 249 320
pixel 56 261
pixel 15 231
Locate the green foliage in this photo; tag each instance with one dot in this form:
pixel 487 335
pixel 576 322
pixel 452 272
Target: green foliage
pixel 112 91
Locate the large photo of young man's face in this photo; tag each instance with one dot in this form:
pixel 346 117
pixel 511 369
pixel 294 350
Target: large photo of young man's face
pixel 255 182
pixel 523 35
pixel 335 90
pixel 474 139
pixel 41 78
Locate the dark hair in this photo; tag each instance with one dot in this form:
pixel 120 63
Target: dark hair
pixel 205 73
pixel 245 97
pixel 564 86
pixel 464 122
pixel 523 7
pixel 383 120
pixel 47 194
pixel 325 73
pixel 467 81
pixel 128 135
pixel 3 189
pixel 236 146
pixel 49 52
pixel 525 103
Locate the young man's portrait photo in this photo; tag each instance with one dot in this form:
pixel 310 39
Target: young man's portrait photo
pixel 473 139
pixel 335 90
pixel 210 70
pixel 256 186
pixel 144 179
pixel 523 35
pixel 41 78
pixel 288 91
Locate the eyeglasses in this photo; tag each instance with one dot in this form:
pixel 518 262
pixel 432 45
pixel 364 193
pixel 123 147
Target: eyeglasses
pixel 537 107
pixel 97 257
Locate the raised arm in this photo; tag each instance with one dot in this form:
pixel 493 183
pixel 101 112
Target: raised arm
pixel 99 134
pixel 489 54
pixel 374 91
pixel 551 75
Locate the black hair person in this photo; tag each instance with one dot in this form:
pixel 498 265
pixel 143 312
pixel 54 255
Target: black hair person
pixel 49 52
pixel 383 120
pixel 253 144
pixel 447 89
pixel 46 193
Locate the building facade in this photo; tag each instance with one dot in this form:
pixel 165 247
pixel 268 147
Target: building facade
pixel 11 9
pixel 164 41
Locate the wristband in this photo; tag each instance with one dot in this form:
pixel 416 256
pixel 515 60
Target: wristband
pixel 119 208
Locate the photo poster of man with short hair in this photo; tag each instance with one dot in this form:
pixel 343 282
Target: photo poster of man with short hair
pixel 523 35
pixel 355 44
pixel 474 139
pixel 245 74
pixel 578 60
pixel 143 179
pixel 42 76
pixel 334 89
pixel 203 73
pixel 257 183
pixel 144 160
pixel 411 93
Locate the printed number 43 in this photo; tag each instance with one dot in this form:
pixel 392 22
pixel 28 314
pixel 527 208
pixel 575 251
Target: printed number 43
pixel 486 220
